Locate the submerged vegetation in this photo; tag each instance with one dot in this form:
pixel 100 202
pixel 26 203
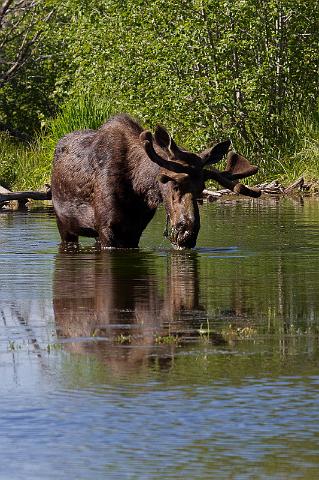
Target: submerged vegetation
pixel 205 69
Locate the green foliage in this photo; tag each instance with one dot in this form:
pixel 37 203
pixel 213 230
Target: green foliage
pixel 10 152
pixel 305 160
pixel 25 167
pixel 21 166
pixel 206 69
pixel 32 63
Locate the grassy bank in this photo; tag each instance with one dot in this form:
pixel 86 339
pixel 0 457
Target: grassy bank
pixel 28 166
pixel 305 159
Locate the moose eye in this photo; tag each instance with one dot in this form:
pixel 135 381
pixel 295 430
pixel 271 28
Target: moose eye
pixel 163 178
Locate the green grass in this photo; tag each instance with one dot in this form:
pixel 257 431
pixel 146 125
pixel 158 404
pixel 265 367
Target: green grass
pixel 22 166
pixel 305 160
pixel 28 166
pixel 11 153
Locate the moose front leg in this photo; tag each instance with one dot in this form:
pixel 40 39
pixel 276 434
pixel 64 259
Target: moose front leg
pixel 69 241
pixel 116 238
pixel 106 237
pixel 65 234
pixel 120 223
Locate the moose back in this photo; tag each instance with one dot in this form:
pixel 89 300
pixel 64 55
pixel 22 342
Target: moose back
pixel 107 183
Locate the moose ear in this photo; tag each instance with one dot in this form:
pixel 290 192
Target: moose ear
pixel 163 178
pixel 215 154
pixel 146 138
pixel 172 177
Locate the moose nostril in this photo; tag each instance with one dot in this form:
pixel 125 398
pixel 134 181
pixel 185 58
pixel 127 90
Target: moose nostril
pixel 180 225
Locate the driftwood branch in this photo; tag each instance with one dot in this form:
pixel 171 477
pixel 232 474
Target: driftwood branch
pixel 7 197
pixel 23 197
pixel 210 195
pixel 297 185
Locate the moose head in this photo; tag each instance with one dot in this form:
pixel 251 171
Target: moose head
pixel 182 178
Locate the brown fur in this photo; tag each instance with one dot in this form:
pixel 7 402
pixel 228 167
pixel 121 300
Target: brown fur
pixel 103 184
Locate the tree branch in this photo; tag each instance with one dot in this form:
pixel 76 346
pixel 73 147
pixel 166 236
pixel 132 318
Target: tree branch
pixel 3 10
pixel 20 60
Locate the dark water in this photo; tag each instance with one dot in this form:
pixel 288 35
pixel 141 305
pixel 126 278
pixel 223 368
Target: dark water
pixel 160 364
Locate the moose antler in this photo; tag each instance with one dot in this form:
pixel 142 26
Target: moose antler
pixel 179 167
pixel 166 142
pixel 180 162
pixel 215 154
pixel 235 186
pixel 237 167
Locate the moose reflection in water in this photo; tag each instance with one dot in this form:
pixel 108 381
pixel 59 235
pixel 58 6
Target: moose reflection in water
pixel 115 298
pixel 108 183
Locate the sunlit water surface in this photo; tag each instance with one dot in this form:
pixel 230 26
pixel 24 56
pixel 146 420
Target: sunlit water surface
pixel 154 363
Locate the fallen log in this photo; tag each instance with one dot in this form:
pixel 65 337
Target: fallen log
pixel 23 197
pixel 210 195
pixel 272 188
pixel 298 184
pixel 3 190
pixel 7 197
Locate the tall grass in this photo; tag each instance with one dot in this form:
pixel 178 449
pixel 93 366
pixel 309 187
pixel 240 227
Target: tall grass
pixel 305 160
pixel 87 111
pixel 11 154
pixel 29 166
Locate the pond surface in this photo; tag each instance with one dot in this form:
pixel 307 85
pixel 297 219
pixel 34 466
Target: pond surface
pixel 154 363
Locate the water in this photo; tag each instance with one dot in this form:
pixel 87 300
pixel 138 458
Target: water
pixel 154 363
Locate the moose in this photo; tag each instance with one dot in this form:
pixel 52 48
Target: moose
pixel 107 183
